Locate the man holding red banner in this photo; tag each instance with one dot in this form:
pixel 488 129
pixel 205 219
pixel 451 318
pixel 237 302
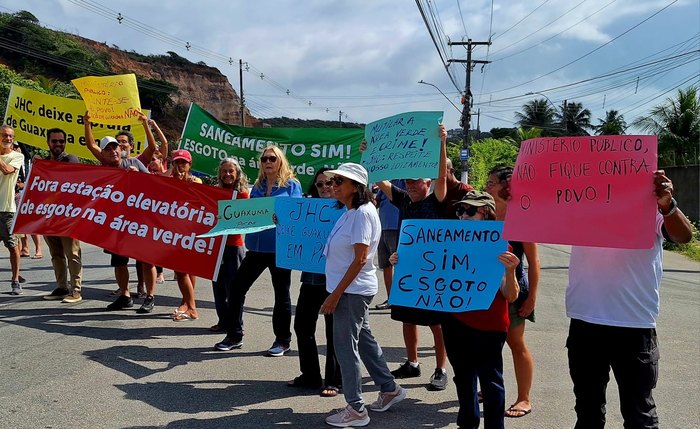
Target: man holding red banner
pixel 111 154
pixel 613 302
pixel 65 252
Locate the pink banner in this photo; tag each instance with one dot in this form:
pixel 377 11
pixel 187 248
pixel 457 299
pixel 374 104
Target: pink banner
pixel 588 191
pixel 150 218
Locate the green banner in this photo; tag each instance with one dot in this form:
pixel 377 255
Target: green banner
pixel 307 149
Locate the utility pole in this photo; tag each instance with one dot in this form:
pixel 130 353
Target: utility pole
pixel 340 118
pixel 240 78
pixel 467 102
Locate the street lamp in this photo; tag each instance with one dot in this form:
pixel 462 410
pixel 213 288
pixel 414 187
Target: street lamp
pixel 440 91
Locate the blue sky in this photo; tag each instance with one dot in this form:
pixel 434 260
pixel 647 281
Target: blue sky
pixel 365 58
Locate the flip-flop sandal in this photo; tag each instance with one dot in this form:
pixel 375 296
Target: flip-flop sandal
pixel 520 412
pixel 329 392
pixel 37 256
pixel 183 317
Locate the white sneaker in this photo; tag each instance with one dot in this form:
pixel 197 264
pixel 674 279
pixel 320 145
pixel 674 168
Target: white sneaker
pixel 348 417
pixel 278 350
pixel 387 399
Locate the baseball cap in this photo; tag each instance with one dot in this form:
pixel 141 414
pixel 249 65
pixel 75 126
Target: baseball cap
pixel 478 199
pixel 182 154
pixel 107 141
pixel 351 171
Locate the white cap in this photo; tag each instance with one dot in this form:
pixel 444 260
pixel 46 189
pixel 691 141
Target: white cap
pixel 108 140
pixel 351 171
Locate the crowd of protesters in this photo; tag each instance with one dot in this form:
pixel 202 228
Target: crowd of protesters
pixel 609 329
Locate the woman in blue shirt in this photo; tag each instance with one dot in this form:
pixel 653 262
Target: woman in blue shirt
pixel 276 178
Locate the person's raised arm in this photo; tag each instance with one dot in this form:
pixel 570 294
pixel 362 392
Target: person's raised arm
pixel 90 139
pixel 533 278
pixel 147 153
pixel 161 137
pixel 385 186
pixel 361 251
pixel 676 223
pixel 440 188
pixel 511 289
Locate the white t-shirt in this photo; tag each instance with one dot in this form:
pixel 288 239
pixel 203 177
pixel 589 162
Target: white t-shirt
pixel 355 226
pixel 616 287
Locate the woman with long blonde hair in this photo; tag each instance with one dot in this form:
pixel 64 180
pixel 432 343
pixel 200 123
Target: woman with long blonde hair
pixel 276 178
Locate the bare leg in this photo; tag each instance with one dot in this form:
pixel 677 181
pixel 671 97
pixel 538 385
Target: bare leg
pixel 14 261
pixel 388 273
pixel 37 245
pixel 188 306
pixel 523 365
pixel 148 273
pixel 440 352
pixel 410 338
pixel 121 274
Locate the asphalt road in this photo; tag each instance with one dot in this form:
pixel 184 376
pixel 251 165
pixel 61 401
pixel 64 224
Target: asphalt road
pixel 78 366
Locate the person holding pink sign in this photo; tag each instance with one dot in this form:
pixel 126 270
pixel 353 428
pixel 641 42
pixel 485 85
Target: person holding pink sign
pixel 613 302
pixel 498 186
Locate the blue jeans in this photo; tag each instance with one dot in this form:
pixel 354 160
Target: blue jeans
pixel 252 266
pixel 633 355
pixel 354 341
pixel 476 354
pixel 223 285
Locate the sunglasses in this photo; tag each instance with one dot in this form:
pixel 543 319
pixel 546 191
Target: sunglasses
pixel 58 140
pixel 320 185
pixel 337 180
pixel 265 159
pixel 470 211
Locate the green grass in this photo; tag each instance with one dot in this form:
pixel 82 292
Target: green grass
pixel 690 250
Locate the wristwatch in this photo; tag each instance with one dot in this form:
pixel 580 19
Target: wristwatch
pixel 672 209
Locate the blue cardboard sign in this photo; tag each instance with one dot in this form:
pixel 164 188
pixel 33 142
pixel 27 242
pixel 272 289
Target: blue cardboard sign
pixel 404 146
pixel 303 226
pixel 448 265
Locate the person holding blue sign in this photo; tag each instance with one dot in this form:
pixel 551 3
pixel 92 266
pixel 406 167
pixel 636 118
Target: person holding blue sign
pixel 474 339
pixel 351 280
pixel 275 179
pixel 416 202
pixel 311 295
pixel 230 176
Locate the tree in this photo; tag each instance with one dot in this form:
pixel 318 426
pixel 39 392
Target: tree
pixel 573 119
pixel 488 153
pixel 613 124
pixel 537 114
pixel 676 122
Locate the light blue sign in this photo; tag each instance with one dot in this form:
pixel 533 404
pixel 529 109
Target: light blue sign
pixel 303 226
pixel 404 146
pixel 244 216
pixel 448 265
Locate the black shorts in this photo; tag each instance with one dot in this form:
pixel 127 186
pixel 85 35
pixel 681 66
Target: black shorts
pixel 117 260
pixel 416 316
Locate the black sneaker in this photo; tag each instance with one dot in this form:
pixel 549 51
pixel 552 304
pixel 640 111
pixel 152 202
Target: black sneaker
pixel 15 288
pixel 147 305
pixel 56 294
pixel 406 371
pixel 121 303
pixel 438 381
pixel 228 344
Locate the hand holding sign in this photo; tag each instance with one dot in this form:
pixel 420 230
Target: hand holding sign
pixel 112 100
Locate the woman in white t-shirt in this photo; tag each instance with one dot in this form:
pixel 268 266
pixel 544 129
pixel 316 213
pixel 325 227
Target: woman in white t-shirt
pixel 351 281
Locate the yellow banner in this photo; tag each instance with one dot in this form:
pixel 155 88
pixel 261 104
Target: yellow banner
pixel 111 100
pixel 31 113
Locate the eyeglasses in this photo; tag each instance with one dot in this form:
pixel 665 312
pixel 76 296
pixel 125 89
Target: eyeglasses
pixel 265 159
pixel 9 136
pixel 469 210
pixel 58 140
pixel 320 185
pixel 338 180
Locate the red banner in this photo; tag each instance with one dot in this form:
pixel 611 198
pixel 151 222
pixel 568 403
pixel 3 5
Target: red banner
pixel 153 219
